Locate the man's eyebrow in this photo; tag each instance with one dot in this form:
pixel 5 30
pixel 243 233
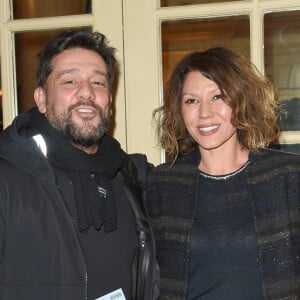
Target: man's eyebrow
pixel 100 73
pixel 75 70
pixel 67 71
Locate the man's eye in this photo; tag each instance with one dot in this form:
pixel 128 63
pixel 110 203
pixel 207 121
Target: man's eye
pixel 98 83
pixel 70 81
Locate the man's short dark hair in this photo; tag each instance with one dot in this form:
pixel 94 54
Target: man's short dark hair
pixel 95 41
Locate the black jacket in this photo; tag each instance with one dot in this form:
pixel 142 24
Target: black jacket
pixel 274 190
pixel 40 253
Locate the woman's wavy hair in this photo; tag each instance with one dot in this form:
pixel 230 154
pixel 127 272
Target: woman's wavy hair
pixel 255 111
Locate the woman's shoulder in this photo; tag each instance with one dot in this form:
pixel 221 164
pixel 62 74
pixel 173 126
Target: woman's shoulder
pixel 269 154
pixel 160 171
pixel 173 173
pixel 178 165
pixel 272 159
pixel 188 161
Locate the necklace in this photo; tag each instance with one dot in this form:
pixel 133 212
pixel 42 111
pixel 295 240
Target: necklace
pixel 224 177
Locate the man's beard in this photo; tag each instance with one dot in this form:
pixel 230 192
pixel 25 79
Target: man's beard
pixel 86 135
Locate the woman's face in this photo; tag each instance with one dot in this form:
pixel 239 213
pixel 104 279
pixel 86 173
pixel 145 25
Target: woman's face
pixel 206 116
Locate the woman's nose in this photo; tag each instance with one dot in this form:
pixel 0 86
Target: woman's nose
pixel 205 109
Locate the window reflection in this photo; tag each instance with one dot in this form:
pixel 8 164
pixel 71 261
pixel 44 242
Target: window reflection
pixel 181 37
pixel 282 62
pixel 28 44
pixel 39 8
pixel 165 3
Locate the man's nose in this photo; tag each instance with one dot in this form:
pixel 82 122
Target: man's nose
pixel 85 91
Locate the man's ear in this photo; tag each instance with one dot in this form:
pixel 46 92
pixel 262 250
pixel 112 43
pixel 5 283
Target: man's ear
pixel 110 104
pixel 40 99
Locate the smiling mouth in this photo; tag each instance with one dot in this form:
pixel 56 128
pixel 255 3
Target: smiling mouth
pixel 86 113
pixel 85 110
pixel 209 128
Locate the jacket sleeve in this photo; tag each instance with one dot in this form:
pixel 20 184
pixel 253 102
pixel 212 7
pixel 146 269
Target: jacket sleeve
pixel 142 167
pixel 134 175
pixel 2 225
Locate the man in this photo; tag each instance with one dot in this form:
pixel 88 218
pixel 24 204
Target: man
pixel 72 223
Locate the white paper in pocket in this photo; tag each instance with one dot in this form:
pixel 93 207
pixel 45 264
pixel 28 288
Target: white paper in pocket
pixel 115 295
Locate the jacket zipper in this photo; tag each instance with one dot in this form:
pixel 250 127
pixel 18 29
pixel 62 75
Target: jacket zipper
pixel 77 235
pixel 74 227
pixel 85 267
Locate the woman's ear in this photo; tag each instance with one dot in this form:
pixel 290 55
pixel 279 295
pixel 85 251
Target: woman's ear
pixel 40 99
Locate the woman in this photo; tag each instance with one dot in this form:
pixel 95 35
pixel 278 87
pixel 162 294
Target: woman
pixel 226 210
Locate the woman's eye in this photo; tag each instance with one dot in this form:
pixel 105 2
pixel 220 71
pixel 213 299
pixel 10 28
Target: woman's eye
pixel 216 97
pixel 190 101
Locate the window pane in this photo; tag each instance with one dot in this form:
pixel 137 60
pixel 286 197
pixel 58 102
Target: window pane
pixel 181 37
pixel 28 44
pixel 282 62
pixel 164 3
pixel 41 8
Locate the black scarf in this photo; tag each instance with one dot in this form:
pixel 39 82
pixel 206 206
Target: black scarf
pixel 90 173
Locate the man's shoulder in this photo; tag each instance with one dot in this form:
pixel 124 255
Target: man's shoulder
pixel 136 167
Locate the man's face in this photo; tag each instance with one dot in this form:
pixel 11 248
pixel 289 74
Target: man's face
pixel 77 98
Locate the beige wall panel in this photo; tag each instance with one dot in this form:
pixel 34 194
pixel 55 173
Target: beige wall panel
pixel 108 19
pixel 141 48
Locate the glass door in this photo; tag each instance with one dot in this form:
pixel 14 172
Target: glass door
pixel 150 37
pixel 160 33
pixel 26 25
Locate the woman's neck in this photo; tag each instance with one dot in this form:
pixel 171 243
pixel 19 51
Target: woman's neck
pixel 223 161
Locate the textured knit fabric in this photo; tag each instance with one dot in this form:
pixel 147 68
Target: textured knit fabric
pixel 95 207
pixel 108 254
pixel 223 253
pixel 273 179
